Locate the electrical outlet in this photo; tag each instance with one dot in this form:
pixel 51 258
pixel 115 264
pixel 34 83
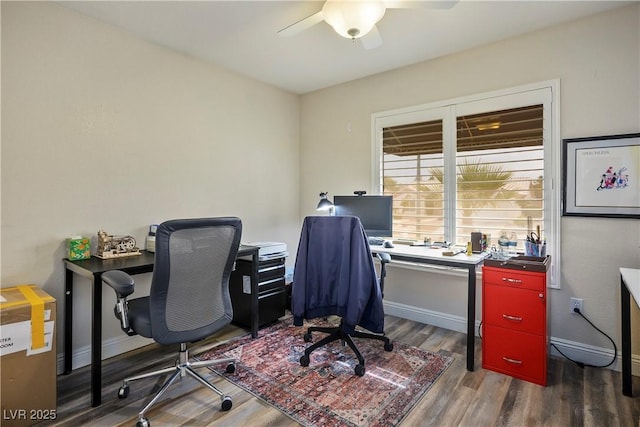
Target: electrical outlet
pixel 576 303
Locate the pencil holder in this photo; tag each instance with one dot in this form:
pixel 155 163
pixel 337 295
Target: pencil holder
pixel 535 249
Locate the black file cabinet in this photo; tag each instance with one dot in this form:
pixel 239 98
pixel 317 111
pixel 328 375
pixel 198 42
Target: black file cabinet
pixel 272 292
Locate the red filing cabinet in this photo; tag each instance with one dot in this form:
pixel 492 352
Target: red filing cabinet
pixel 514 322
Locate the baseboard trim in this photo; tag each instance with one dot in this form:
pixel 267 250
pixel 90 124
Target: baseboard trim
pixel 421 315
pixel 110 347
pixel 585 353
pixel 592 355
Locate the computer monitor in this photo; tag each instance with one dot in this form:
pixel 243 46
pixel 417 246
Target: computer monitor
pixel 375 212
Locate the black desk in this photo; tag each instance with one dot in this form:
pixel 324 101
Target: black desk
pixel 423 255
pixel 92 269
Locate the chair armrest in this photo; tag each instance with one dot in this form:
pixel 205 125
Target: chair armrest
pixel 384 257
pixel 120 281
pixel 123 285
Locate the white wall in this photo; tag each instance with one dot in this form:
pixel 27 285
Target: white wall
pixel 98 123
pixel 597 62
pixel 102 130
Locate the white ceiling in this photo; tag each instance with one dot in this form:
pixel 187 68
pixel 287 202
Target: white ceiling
pixel 242 35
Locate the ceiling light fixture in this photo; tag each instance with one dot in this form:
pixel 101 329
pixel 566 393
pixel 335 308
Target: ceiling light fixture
pixel 353 19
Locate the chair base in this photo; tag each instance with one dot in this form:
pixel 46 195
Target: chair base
pixel 336 333
pixel 182 368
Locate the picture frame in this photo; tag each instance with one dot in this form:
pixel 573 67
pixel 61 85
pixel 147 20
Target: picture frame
pixel 602 176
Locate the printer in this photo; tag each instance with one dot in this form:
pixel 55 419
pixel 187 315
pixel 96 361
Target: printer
pixel 270 250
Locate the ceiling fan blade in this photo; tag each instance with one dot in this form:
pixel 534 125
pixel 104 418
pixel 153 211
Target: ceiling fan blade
pixel 372 39
pixel 301 25
pixel 422 4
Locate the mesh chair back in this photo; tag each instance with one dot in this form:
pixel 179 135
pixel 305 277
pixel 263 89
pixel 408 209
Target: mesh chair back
pixel 189 297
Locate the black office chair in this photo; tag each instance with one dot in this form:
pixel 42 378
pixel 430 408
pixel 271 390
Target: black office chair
pixel 335 275
pixel 189 298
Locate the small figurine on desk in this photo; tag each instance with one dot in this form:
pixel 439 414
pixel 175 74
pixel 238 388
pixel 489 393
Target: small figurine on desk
pixel 110 246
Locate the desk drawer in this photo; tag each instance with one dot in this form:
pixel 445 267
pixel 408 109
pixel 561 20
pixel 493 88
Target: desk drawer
pixel 518 354
pixel 267 285
pixel 517 279
pixel 271 306
pixel 267 270
pixel 518 309
pixel 270 269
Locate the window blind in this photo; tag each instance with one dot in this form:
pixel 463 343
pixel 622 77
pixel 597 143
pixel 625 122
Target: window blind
pixel 499 160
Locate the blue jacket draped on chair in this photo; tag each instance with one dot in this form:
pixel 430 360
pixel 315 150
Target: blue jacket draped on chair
pixel 335 275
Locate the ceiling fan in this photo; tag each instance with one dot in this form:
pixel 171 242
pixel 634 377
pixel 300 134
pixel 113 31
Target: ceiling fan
pixel 357 19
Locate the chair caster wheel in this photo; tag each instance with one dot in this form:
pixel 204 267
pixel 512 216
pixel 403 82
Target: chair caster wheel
pixel 388 346
pixel 226 403
pixel 143 422
pixel 359 370
pixel 123 392
pixel 304 360
pixel 307 337
pixel 231 368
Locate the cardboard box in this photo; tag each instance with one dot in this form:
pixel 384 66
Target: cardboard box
pixel 27 356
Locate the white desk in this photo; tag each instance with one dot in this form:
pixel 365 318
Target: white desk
pixel 424 255
pixel 629 286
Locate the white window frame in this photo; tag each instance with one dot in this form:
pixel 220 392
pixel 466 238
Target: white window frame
pixel 546 93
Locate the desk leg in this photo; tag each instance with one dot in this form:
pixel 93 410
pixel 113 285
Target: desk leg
pixel 471 318
pixel 254 295
pixel 68 321
pixel 96 341
pixel 625 308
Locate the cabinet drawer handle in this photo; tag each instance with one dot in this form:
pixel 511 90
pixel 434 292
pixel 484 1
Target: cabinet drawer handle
pixel 268 282
pixel 275 267
pixel 515 362
pixel 510 280
pixel 514 318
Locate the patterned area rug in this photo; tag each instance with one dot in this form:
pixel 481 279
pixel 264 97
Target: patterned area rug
pixel 327 392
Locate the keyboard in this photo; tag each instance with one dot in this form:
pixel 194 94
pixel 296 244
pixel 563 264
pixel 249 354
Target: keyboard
pixel 375 241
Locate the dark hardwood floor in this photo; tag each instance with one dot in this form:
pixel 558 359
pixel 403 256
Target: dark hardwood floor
pixel 574 396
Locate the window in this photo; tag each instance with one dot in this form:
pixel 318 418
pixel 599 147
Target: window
pixel 485 163
pixel 412 166
pixel 500 174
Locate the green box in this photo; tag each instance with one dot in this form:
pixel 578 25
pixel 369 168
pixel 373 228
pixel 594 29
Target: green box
pixel 79 248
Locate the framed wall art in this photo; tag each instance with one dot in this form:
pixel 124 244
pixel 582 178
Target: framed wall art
pixel 602 176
